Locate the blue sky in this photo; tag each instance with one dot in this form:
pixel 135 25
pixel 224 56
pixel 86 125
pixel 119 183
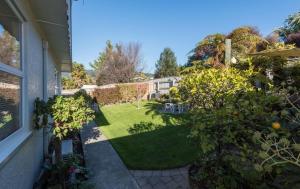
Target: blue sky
pixel 156 24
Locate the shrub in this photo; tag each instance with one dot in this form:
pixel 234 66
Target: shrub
pixel 127 92
pixel 107 96
pixel 120 93
pixel 226 111
pixel 69 115
pixel 214 88
pixel 82 93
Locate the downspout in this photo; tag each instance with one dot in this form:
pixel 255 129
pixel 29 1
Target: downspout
pixel 45 91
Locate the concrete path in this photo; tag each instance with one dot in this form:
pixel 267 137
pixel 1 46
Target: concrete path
pixel 107 170
pixel 165 179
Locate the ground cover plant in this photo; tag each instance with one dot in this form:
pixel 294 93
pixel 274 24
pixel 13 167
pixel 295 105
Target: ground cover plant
pixel 146 138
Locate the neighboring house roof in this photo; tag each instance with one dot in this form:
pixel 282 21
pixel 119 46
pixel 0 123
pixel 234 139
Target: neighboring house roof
pixel 295 52
pixel 54 18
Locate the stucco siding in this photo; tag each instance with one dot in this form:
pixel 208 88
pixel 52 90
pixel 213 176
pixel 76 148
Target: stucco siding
pixel 24 166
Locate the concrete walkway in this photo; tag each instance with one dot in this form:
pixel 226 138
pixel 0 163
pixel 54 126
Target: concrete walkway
pixel 107 170
pixel 164 179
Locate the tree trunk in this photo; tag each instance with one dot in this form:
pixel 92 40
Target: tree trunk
pixel 57 149
pixel 58 160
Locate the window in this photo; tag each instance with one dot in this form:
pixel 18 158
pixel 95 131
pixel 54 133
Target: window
pixel 11 73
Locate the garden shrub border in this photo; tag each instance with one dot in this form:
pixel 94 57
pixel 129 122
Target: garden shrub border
pixel 121 93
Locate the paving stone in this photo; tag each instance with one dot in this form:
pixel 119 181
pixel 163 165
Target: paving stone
pixel 166 180
pixel 142 181
pixel 139 173
pixel 171 185
pixel 154 180
pixel 148 173
pixel 147 186
pixel 157 173
pixel 109 172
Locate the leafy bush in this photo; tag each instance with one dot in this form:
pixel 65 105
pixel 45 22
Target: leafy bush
pixel 214 88
pixel 127 92
pixel 82 93
pixel 120 93
pixel 107 96
pixel 227 109
pixel 69 115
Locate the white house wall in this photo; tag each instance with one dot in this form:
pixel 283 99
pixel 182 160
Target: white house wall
pixel 24 166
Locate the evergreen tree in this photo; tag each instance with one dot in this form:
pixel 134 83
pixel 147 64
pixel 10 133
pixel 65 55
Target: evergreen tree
pixel 166 65
pixel 99 62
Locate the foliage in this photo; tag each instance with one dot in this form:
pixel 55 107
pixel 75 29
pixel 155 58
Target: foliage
pixel 174 93
pixel 245 40
pixel 226 111
pixel 276 151
pixel 78 78
pixel 99 62
pixel 40 114
pixel 280 68
pixel 69 115
pixel 121 93
pixel 68 83
pixel 120 64
pixel 82 93
pixel 127 92
pixel 280 145
pixel 107 96
pixel 210 50
pixel 214 88
pixel 9 49
pixel 166 65
pixel 289 33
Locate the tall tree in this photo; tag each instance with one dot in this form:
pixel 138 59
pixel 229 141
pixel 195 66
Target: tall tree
pixel 245 40
pixel 120 64
pixel 78 78
pixel 290 32
pixel 166 65
pixel 96 65
pixel 209 51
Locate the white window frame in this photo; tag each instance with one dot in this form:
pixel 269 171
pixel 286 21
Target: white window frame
pixel 10 145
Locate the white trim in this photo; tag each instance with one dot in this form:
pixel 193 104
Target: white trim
pixel 14 141
pixel 12 70
pixel 45 68
pixel 10 145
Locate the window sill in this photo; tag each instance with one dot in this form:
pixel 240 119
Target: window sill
pixel 12 144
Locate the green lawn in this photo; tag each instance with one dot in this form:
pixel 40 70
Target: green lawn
pixel 142 145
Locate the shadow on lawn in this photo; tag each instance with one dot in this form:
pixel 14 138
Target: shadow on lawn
pixel 101 119
pixel 143 127
pixel 152 147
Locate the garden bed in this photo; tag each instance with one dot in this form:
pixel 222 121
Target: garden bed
pixel 73 169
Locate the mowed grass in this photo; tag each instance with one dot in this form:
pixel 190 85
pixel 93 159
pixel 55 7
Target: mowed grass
pixel 165 146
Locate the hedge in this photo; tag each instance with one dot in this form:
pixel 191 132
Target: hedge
pixel 120 93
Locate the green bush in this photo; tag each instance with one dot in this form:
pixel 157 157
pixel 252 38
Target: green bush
pixel 227 109
pixel 69 115
pixel 120 93
pixel 214 88
pixel 82 93
pixel 107 96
